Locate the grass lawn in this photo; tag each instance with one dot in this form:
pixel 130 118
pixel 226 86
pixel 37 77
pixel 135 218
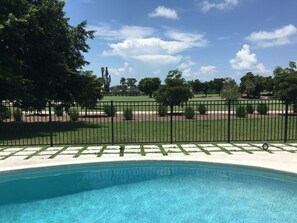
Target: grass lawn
pixel 247 129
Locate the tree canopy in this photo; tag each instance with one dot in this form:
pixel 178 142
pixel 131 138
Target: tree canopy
pixel 286 83
pixel 149 85
pixel 41 53
pixel 176 91
pixel 230 90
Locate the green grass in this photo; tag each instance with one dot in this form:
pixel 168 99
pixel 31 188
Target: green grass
pixel 125 132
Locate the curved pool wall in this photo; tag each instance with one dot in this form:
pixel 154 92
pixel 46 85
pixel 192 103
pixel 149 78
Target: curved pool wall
pixel 48 182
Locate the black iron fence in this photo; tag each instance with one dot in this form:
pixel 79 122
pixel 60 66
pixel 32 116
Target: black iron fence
pixel 111 123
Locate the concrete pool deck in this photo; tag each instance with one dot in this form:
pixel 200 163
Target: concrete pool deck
pixel 279 156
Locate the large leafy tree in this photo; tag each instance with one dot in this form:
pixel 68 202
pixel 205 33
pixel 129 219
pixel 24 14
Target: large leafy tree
pixel 230 90
pixel 252 85
pixel 217 85
pixel 41 53
pixel 286 83
pixel 149 85
pixel 176 90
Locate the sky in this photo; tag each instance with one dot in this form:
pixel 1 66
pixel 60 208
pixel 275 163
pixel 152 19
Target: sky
pixel 205 39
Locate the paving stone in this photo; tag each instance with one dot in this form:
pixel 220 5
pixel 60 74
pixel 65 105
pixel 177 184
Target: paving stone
pixel 258 144
pixel 33 149
pixel 111 151
pixel 39 157
pixel 95 148
pixel 212 149
pixel 23 153
pixel 192 149
pixel 112 147
pixel 132 147
pixel 241 144
pixel 54 148
pixel 74 148
pixel 110 155
pixel 16 158
pixel 63 156
pixel 250 148
pixel 5 153
pixel 232 148
pixel 13 149
pixel 51 152
pixel 152 150
pixel 170 146
pixel 69 152
pixel 206 145
pixel 150 147
pixel 272 148
pixel 173 150
pixel 293 144
pixel 225 145
pixel 132 150
pixel 188 145
pixel 278 144
pixel 85 156
pixel 90 152
pixel 291 148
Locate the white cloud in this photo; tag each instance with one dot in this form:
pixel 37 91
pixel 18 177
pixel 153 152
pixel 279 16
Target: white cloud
pixel 125 70
pixel 191 39
pixel 186 67
pixel 282 36
pixel 245 60
pixel 162 11
pixel 208 69
pixel 225 4
pixel 104 31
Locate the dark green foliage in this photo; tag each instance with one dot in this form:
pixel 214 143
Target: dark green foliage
pixel 250 109
pixel 106 79
pixel 109 110
pixel 128 113
pixel 202 109
pixel 4 113
pixel 17 114
pixel 176 90
pixel 295 108
pixel 230 90
pixel 41 53
pixel 149 85
pixel 262 108
pixel 162 110
pixel 240 111
pixel 59 110
pixel 252 85
pixel 73 114
pixel 189 112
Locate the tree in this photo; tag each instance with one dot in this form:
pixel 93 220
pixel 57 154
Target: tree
pixel 286 83
pixel 90 88
pixel 149 85
pixel 252 85
pixel 217 85
pixel 230 90
pixel 196 86
pixel 205 87
pixel 106 79
pixel 124 85
pixel 41 53
pixel 176 91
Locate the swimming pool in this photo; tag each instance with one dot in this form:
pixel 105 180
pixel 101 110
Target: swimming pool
pixel 158 191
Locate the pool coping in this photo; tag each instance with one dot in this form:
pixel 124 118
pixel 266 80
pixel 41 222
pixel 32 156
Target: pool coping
pixel 278 162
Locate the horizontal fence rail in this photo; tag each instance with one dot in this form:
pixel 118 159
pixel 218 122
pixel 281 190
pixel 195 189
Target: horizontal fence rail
pixel 122 122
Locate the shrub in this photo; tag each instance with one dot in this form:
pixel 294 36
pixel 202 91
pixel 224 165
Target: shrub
pixel 4 113
pixel 189 112
pixel 250 109
pixel 109 111
pixel 73 114
pixel 162 110
pixel 262 109
pixel 240 111
pixel 295 108
pixel 17 115
pixel 59 110
pixel 202 109
pixel 128 113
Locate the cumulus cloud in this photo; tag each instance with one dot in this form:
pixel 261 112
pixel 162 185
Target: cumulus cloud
pixel 224 5
pixel 208 69
pixel 245 60
pixel 126 69
pixel 154 50
pixel 282 36
pixel 104 31
pixel 164 12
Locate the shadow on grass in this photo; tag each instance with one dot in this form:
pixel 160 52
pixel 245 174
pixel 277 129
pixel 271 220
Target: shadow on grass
pixel 23 130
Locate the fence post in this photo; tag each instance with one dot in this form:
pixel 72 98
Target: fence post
pixel 171 122
pixel 112 124
pixel 229 119
pixel 50 123
pixel 286 121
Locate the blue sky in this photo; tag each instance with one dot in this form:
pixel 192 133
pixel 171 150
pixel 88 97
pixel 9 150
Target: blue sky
pixel 205 39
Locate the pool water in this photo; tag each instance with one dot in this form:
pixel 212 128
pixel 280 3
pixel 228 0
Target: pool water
pixel 148 192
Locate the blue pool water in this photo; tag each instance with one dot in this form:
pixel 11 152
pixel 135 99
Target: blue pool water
pixel 148 192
